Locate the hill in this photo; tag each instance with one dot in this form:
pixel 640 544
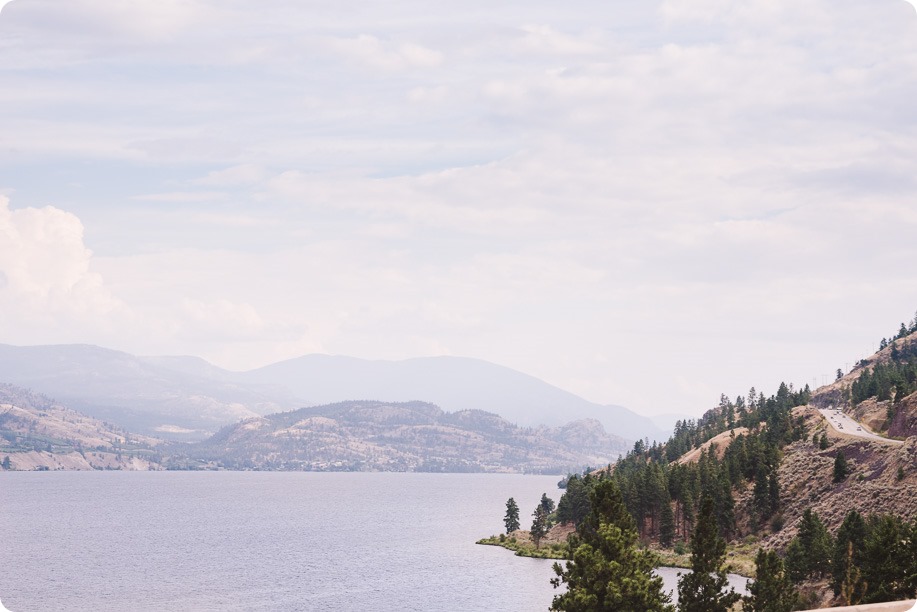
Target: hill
pixel 187 398
pixel 411 436
pixel 800 472
pixel 37 433
pixel 176 399
pixel 452 383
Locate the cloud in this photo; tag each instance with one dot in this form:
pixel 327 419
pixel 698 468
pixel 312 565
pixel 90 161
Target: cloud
pixel 46 278
pixel 242 174
pixel 221 319
pixel 693 189
pixel 544 38
pixel 385 55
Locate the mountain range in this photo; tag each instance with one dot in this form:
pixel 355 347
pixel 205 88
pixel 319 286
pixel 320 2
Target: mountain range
pixel 187 398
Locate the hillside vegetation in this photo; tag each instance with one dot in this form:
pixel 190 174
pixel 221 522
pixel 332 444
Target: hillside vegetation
pixel 37 433
pixel 838 510
pixel 410 436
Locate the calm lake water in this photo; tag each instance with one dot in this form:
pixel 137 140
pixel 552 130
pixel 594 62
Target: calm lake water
pixel 266 541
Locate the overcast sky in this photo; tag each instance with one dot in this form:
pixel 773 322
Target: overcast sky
pixel 644 202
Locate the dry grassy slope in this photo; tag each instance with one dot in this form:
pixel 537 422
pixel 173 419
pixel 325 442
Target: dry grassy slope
pixel 89 460
pixel 806 475
pixel 29 415
pixel 721 442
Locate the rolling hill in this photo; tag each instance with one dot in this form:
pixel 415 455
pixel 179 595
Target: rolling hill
pixel 187 398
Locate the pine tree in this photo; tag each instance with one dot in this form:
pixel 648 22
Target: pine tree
pixel 848 548
pixel 773 492
pixel 840 467
pixel 703 589
pixel 762 494
pixel 511 520
pixel 666 525
pixel 772 589
pixel 547 503
pixel 539 525
pixel 607 571
pixel 796 561
pixel 574 503
pixel 888 561
pixel 810 551
pixel 852 588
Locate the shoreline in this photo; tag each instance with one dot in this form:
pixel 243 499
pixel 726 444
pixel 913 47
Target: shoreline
pixel 739 562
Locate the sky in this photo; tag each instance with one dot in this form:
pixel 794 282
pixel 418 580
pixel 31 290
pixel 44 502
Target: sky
pixel 647 203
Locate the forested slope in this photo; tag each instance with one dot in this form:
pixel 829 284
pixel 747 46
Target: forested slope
pixel 839 510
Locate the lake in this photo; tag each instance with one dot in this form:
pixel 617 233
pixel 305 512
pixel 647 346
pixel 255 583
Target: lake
pixel 267 541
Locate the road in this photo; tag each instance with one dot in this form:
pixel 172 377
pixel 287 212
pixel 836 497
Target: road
pixel 844 424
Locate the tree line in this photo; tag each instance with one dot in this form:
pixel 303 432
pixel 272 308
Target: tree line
pixel 663 496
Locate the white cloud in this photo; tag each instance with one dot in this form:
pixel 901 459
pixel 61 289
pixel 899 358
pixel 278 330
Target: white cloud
pixel 695 190
pixel 46 280
pixel 242 174
pixel 221 319
pixel 544 38
pixel 385 55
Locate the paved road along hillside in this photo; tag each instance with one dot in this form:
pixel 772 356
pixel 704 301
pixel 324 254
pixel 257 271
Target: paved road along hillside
pixel 844 424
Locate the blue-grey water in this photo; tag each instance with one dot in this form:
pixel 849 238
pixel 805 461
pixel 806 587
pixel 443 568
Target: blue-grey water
pixel 200 541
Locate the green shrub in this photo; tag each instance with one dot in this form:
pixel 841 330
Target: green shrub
pixel 777 523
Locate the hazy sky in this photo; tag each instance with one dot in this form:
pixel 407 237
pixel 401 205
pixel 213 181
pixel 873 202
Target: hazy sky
pixel 644 202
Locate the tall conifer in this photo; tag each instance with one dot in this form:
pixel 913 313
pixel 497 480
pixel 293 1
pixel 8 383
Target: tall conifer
pixel 703 590
pixel 607 571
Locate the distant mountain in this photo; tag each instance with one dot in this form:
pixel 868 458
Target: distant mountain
pixel 187 398
pixel 453 384
pixel 411 436
pixel 181 398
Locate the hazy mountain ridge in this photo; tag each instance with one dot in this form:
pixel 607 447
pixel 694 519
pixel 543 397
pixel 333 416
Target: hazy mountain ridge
pixel 411 436
pixel 37 433
pixel 452 383
pixel 148 395
pixel 187 398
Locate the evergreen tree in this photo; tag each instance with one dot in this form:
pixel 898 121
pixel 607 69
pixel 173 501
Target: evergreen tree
pixel 539 525
pixel 703 589
pixel 607 571
pixel 773 492
pixel 762 494
pixel 772 589
pixel 852 588
pixel 889 560
pixel 666 525
pixel 796 561
pixel 840 467
pixel 574 503
pixel 511 520
pixel 547 504
pixel 811 550
pixel 848 548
